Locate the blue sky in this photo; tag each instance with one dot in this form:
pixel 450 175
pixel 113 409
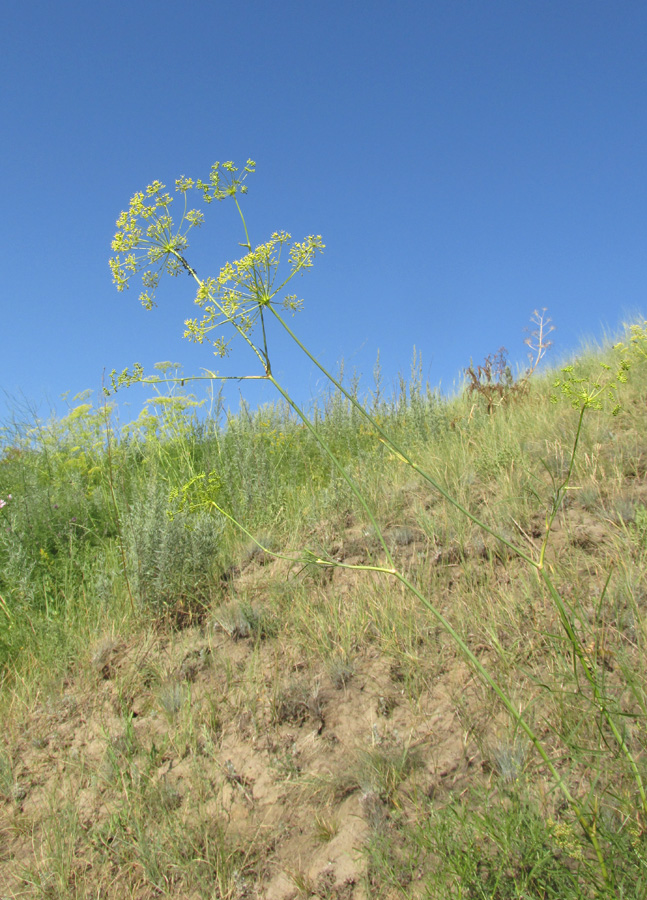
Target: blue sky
pixel 465 162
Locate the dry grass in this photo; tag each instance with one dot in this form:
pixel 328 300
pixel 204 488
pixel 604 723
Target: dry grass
pixel 313 732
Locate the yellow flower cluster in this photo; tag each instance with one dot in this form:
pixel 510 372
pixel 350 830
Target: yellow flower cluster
pixel 149 243
pixel 148 226
pixel 248 284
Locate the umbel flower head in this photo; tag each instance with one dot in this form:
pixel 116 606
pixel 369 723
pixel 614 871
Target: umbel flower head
pixel 148 242
pixel 146 238
pixel 245 287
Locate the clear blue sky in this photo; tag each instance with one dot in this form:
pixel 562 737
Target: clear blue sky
pixel 464 161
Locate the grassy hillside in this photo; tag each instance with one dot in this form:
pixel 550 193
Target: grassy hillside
pixel 195 709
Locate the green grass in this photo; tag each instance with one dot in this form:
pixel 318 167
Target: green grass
pixel 110 556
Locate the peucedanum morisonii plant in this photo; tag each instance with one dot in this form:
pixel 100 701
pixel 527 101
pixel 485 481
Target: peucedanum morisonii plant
pixel 248 293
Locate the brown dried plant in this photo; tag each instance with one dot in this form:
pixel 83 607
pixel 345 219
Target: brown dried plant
pixel 493 379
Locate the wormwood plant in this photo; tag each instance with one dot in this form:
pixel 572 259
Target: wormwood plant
pixel 241 301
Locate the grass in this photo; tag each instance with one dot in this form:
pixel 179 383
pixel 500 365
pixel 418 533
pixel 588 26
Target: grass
pixel 217 713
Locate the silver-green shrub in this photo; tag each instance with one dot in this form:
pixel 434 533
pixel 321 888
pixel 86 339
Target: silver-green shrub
pixel 173 560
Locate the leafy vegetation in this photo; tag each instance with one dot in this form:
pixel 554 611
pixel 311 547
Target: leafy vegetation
pixel 424 616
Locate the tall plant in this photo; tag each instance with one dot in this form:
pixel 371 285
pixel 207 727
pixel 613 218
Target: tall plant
pixel 253 290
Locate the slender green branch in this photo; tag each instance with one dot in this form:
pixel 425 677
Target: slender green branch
pixel 516 715
pixel 560 493
pixel 212 376
pixel 588 829
pixel 240 213
pixel 306 421
pixel 268 367
pixel 398 451
pixel 598 697
pixel 337 464
pixel 300 560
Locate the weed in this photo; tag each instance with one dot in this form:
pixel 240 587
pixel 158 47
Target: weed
pixel 174 560
pixel 171 698
pixel 297 702
pixel 509 760
pixel 326 827
pixel 7 782
pixel 639 527
pixel 341 670
pixel 381 770
pixel 493 380
pixel 239 619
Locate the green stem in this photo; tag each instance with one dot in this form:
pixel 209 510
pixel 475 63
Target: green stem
pixel 116 507
pixel 598 698
pixel 264 358
pixel 467 653
pixel 568 626
pixel 342 471
pixel 518 718
pixel 301 560
pixel 398 451
pixel 560 493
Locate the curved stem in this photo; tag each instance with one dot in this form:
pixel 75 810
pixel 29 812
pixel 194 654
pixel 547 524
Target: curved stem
pixel 600 703
pixel 398 451
pixel 558 498
pixel 516 715
pixel 519 719
pixel 336 463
